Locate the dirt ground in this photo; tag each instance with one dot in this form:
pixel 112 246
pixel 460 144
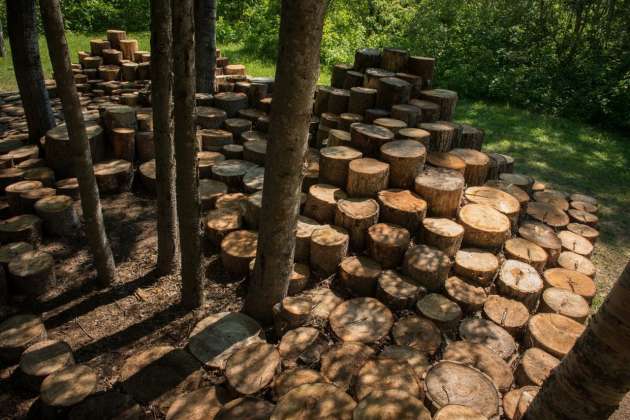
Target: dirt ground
pixel 105 326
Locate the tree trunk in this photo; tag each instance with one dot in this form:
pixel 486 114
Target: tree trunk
pixel 186 153
pixel 23 36
pixel 1 40
pixel 297 72
pixel 593 377
pixel 90 202
pixel 206 44
pixel 161 99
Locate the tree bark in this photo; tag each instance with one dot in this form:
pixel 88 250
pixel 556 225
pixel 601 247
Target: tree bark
pixel 206 44
pixel 593 377
pixel 23 36
pixel 73 113
pixel 161 99
pixel 187 181
pixel 297 72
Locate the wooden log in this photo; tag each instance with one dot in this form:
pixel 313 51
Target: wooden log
pixel 550 197
pixel 14 190
pixel 255 151
pixel 512 399
pixel 314 401
pixel 329 245
pixel 481 331
pixel 338 100
pixel 394 402
pixel 406 160
pixel 575 243
pixel 583 217
pixel 445 99
pixel 232 151
pixel 145 146
pixel 198 404
pixel 114 36
pixel 543 236
pixel 509 314
pixel 484 227
pixel 442 189
pixel 22 228
pixel 409 114
pixel 220 222
pixel 237 126
pixel 42 174
pixel 338 75
pixel 443 234
pixel 520 281
pixel 528 252
pixel 429 112
pixel 333 164
pixel 418 333
pixel 148 175
pixel 32 273
pixel 10 176
pixel 391 375
pixel 402 208
pixel 114 176
pixel 254 179
pixel 98 45
pixel 369 138
pixel 292 312
pixel 476 265
pixel 17 333
pixel 305 228
pixel 356 216
pixel 293 378
pixel 359 275
pixel 27 199
pixel 43 359
pixel 242 408
pixel 572 261
pixel 392 91
pixel 231 102
pixel 427 267
pixel 449 382
pixel 209 191
pixel 468 296
pixel 456 411
pixel 365 58
pixel 446 160
pixel 341 363
pixel 391 124
pixel 477 164
pixel 59 215
pixel 10 251
pixel 361 99
pixel 120 116
pixel 423 67
pixel 522 181
pixel 123 143
pixel 472 137
pixel 373 114
pixel 572 281
pixel 497 199
pixel 128 71
pixel 413 80
pixel 234 70
pixel 445 313
pixel 111 57
pixel 321 100
pixel 394 59
pixel 238 248
pixel 373 75
pixel 213 139
pixel 564 302
pixel 346 120
pixel 417 360
pixel 366 177
pixel 535 367
pixel 397 291
pixel 303 344
pixel 584 206
pixel 321 202
pixel 442 135
pixel 251 210
pixel 210 118
pixel 231 172
pixel 482 358
pixel 556 334
pixel 66 388
pixel 363 320
pixel 387 244
pixel 353 79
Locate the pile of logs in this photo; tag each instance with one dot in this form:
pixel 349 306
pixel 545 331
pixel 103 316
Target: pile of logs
pixel 453 287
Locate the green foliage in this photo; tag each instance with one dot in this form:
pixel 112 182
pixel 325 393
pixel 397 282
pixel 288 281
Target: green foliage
pixel 100 15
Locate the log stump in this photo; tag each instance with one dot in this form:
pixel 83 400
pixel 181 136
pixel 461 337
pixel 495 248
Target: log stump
pixel 114 36
pixel 575 243
pixel 387 374
pixel 583 217
pixel 477 164
pixel 361 99
pixel 387 244
pixel 363 320
pixel 329 245
pixel 528 252
pixel 518 397
pixel 564 302
pixel 66 388
pixel 213 139
pixel 315 401
pixel 397 291
pixel 447 160
pixel 23 228
pixel 466 295
pixel 27 199
pixel 293 378
pixel 497 199
pixel 427 267
pixel 572 281
pixel 485 332
pixel 338 101
pixel 472 137
pixel 442 189
pixel 14 190
pixel 535 367
pixel 198 405
pixel 252 367
pixel 114 176
pixel 484 227
pixel 365 58
pixel 57 148
pixel 476 265
pixel 359 275
pixel 392 91
pixel 445 99
pixel 572 261
pixel 372 77
pixel 583 230
pixel 391 402
pixel 417 333
pixel 342 362
pixel 209 118
pixel 231 172
pixel 445 313
pixel 402 208
pixel 366 177
pixel 406 160
pixel 145 146
pixel 520 281
pixel 333 164
pixel 321 202
pixel 407 113
pixel 394 59
pixel 369 138
pixel 356 215
pixel 304 230
pixel 556 334
pixel 59 215
pixel 449 382
pixel 423 67
pixel 32 273
pixel 231 102
pixel 391 124
pixel 17 333
pixel 509 314
pixel 442 135
pixel 120 116
pixel 43 359
pixel 220 222
pixel 543 236
pixel 443 234
pixel 209 191
pixel 238 248
pixel 416 134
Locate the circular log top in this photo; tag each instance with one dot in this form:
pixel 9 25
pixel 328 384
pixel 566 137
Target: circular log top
pixel 586 231
pixel 495 198
pixel 9 251
pixel 251 368
pixel 21 186
pixel 19 223
pixel 391 404
pixel 569 260
pixel 584 198
pixel 512 398
pixel 513 190
pixel 342 362
pixel 327 193
pixel 391 124
pixel 446 160
pixel 554 333
pixel 482 358
pixel 314 402
pixel 296 341
pixel 440 93
pixel 485 332
pixel 60 132
pixel 403 149
pixel 552 198
pixel 200 404
pixel 439 309
pixel 31 262
pixel 46 357
pixel 418 333
pixel 69 386
pixel 575 243
pixel 232 168
pixel 328 235
pixel 507 313
pixel 112 167
pixel 548 214
pixel 254 178
pixel 484 218
pixel 440 179
pixel 526 251
pixel 541 235
pixel 290 379
pixel 471 156
pixel 389 235
pixel 520 276
pixel 246 408
pixel 450 382
pixel 240 243
pixel 216 337
pixel 468 296
pixel 386 374
pixel 535 366
pixel 418 361
pixel 576 215
pixel 19 331
pixel 373 131
pixel 209 189
pixel 414 133
pixel 53 204
pixel 458 412
pixel 403 200
pixel 358 208
pixel 571 280
pixel 477 265
pixel 368 166
pixel 340 153
pixel 364 320
pixel 565 302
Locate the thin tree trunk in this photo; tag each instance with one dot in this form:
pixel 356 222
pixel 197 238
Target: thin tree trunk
pixel 186 153
pixel 161 99
pixel 23 37
pixel 73 113
pixel 1 40
pixel 593 378
pixel 297 72
pixel 205 44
